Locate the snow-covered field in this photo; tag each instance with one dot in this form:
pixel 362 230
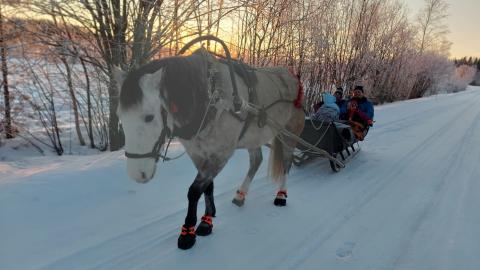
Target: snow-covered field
pixel 409 200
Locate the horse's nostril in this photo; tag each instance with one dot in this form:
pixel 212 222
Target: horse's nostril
pixel 144 176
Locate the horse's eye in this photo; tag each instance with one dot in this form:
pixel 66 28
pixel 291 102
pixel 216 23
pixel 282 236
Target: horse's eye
pixel 149 118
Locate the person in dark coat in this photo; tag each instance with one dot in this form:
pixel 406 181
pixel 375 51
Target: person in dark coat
pixel 341 103
pixel 360 112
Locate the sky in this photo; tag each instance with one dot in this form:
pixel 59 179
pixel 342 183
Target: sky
pixel 463 25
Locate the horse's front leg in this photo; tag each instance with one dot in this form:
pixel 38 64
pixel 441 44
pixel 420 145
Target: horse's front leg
pixel 187 237
pixel 255 161
pixel 206 225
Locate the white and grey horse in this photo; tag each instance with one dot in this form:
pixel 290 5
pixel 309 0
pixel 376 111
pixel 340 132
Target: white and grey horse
pixel 190 97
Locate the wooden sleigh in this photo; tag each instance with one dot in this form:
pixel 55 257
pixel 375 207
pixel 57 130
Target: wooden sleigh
pixel 335 138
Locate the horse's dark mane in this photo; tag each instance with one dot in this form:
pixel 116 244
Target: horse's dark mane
pixel 184 81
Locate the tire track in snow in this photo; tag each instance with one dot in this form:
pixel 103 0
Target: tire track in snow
pixel 403 122
pixel 143 255
pixel 124 245
pixel 145 240
pixel 448 173
pixel 399 123
pixel 127 248
pixel 319 234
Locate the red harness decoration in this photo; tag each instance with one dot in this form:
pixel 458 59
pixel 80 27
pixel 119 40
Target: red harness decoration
pixel 173 107
pixel 300 95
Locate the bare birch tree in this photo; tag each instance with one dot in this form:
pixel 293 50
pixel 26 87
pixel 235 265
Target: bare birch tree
pixel 4 67
pixel 126 33
pixel 431 22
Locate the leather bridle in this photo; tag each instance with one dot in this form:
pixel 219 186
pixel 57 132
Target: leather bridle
pixel 155 153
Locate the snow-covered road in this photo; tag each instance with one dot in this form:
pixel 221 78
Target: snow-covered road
pixel 408 200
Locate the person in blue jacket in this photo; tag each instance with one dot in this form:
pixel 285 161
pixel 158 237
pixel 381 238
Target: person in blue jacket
pixel 328 111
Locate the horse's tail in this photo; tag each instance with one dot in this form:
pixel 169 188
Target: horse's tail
pixel 298 102
pixel 276 164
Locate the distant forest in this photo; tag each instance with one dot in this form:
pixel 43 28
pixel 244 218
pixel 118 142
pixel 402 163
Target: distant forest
pixel 469 61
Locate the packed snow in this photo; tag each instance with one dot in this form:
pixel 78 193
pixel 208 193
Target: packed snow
pixel 408 200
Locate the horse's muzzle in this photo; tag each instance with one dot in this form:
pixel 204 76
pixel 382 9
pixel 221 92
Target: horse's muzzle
pixel 141 170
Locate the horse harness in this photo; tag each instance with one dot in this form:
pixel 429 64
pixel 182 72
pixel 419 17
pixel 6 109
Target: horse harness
pixel 247 74
pixel 189 130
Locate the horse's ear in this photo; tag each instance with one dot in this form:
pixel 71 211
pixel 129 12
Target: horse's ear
pixel 119 76
pixel 151 81
pixel 156 78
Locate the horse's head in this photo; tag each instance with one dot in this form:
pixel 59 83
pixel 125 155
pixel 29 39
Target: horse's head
pixel 173 88
pixel 143 120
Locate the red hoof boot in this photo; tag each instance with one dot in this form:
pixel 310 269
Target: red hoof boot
pixel 186 239
pixel 205 227
pixel 281 199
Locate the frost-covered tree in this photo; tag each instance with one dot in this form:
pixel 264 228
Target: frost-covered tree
pixel 431 21
pixel 125 33
pixel 4 83
pixel 464 75
pixel 330 42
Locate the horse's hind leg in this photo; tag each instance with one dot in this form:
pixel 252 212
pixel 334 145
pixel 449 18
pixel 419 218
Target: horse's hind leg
pixel 206 225
pixel 256 158
pixel 286 145
pixel 282 153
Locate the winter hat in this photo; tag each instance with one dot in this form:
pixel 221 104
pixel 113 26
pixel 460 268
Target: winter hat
pixel 339 91
pixel 358 87
pixel 329 101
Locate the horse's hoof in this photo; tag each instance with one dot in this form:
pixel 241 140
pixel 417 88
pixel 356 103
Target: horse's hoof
pixel 238 202
pixel 239 198
pixel 186 240
pixel 280 202
pixel 205 227
pixel 281 199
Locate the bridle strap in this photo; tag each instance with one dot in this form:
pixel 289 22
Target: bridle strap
pixel 155 153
